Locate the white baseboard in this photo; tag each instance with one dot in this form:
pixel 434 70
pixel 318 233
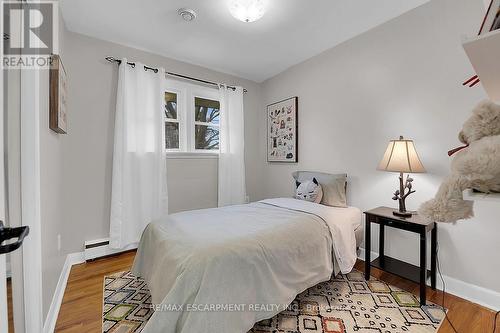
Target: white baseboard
pixel 73 259
pixel 50 321
pixel 361 254
pixel 482 296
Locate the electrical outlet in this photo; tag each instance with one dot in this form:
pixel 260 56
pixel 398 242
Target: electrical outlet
pixel 59 242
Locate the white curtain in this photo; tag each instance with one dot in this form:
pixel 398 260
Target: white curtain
pixel 139 184
pixel 232 187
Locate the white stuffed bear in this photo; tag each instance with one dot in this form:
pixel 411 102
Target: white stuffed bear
pixel 475 166
pixel 309 191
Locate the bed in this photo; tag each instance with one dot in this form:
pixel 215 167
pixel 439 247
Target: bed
pixel 224 269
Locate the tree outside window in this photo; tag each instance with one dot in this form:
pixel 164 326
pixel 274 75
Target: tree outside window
pixel 171 121
pixel 207 116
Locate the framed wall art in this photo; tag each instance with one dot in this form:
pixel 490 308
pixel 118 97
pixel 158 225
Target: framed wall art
pixel 58 96
pixel 282 131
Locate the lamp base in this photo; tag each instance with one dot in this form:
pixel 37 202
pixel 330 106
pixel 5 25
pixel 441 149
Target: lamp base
pixel 402 214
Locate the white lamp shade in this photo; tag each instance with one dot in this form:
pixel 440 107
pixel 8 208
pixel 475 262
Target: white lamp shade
pixel 401 156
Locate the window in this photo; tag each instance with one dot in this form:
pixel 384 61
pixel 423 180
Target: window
pixel 192 115
pixel 206 117
pixel 171 121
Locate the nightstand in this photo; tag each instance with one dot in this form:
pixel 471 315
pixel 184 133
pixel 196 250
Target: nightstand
pixel 383 217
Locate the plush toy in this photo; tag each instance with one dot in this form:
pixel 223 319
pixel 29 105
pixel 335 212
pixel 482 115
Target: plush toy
pixel 309 191
pixel 475 166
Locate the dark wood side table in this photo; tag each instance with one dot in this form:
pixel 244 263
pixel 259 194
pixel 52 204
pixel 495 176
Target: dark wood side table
pixel 383 217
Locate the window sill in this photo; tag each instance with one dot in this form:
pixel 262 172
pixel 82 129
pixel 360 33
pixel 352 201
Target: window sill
pixel 192 155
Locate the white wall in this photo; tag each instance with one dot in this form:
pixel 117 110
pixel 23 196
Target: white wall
pixel 192 183
pixel 52 187
pixel 403 77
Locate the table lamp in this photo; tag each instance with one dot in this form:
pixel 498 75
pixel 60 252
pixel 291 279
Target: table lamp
pixel 401 156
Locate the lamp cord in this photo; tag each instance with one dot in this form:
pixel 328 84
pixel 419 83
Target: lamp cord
pixel 444 291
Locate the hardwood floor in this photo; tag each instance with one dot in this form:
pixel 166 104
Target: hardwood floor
pixel 10 311
pixel 81 308
pixel 82 302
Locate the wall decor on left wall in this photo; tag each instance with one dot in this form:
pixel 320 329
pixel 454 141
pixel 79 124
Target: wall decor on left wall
pixel 282 131
pixel 58 96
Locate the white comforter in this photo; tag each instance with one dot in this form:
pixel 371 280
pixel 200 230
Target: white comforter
pixel 221 270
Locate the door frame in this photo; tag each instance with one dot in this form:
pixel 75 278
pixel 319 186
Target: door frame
pixel 4 327
pixel 30 196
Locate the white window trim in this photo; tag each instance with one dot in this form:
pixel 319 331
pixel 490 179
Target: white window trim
pixel 186 94
pixel 192 155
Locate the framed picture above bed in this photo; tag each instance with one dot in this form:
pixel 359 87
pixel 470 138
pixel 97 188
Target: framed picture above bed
pixel 282 131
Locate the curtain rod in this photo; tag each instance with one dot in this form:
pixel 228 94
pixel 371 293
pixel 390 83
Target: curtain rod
pixel 118 61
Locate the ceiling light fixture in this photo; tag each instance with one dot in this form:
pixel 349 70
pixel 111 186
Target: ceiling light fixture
pixel 247 10
pixel 187 15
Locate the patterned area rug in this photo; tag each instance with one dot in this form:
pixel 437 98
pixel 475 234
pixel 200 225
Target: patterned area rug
pixel 345 304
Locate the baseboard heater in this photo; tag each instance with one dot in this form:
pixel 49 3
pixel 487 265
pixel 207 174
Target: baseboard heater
pixel 100 248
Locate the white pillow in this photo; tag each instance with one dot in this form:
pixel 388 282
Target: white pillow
pixel 309 190
pixel 333 186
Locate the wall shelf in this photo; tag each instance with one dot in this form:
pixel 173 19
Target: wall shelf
pixel 473 196
pixel 484 54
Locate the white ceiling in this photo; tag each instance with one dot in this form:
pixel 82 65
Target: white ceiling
pixel 291 31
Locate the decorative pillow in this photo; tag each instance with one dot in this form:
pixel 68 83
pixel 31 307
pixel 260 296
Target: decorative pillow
pixel 309 190
pixel 333 186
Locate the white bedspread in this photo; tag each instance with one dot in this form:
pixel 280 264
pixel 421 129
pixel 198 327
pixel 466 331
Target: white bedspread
pixel 241 263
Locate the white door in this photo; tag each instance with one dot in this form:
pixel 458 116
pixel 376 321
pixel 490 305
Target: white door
pixel 10 193
pixel 11 264
pixel 3 277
